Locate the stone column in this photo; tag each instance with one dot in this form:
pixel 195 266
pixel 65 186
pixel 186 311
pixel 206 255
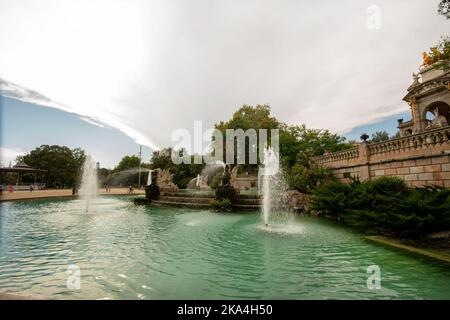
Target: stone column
pixel 364 159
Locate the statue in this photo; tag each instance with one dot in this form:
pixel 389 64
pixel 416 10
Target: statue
pixel 202 182
pixel 427 61
pixel 164 180
pixel 233 177
pixel 413 104
pixel 439 121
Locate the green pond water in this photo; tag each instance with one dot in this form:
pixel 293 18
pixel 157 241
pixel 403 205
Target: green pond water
pixel 125 251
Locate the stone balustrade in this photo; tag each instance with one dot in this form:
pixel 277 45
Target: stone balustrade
pixel 340 156
pixel 419 159
pixel 430 141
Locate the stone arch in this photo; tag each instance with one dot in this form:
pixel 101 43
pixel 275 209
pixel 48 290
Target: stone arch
pixel 442 107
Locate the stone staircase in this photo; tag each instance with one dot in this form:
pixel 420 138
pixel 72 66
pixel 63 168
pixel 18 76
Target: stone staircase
pixel 201 200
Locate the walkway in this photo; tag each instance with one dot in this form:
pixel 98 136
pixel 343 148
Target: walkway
pixel 22 195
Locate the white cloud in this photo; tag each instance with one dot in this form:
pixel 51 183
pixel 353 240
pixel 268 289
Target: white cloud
pixel 8 155
pixel 149 67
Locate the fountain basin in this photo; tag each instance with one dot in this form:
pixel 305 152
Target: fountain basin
pixel 144 252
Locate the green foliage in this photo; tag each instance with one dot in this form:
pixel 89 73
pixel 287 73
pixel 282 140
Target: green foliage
pixel 63 164
pixel 245 118
pixel 223 205
pixel 298 141
pixel 305 175
pixel 385 205
pixel 103 176
pixel 440 54
pixel 226 192
pixel 293 139
pixel 379 136
pixel 182 173
pixel 127 162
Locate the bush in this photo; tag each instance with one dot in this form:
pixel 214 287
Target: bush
pixel 223 205
pixel 385 205
pixel 226 192
pixel 305 178
pixel 152 192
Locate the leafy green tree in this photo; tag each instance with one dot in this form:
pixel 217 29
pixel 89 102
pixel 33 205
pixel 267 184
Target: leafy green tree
pixel 63 164
pixel 379 136
pixel 444 8
pixel 305 175
pixel 127 163
pixel 245 118
pixel 182 173
pixel 298 141
pixel 103 176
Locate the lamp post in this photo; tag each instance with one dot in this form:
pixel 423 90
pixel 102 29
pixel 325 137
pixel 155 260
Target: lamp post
pixel 139 168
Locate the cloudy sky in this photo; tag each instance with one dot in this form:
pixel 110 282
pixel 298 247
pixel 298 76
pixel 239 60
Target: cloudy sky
pixel 149 67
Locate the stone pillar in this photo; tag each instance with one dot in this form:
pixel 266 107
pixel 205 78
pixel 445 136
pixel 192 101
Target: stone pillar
pixel 364 158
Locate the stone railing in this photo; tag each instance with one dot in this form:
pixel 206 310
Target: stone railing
pixel 345 155
pixel 433 141
pixel 437 139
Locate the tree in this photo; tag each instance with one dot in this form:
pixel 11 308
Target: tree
pixel 127 163
pixel 63 165
pixel 103 175
pixel 295 140
pixel 444 8
pixel 126 171
pixel 182 173
pixel 245 118
pixel 380 136
pixel 305 175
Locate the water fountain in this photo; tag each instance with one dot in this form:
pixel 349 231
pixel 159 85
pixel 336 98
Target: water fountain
pixel 271 168
pixel 272 183
pixel 88 189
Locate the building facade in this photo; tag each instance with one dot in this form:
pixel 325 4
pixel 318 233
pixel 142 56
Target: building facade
pixel 421 155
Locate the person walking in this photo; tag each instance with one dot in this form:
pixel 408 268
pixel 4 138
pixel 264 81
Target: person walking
pixel 31 188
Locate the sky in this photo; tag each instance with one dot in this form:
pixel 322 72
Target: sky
pixel 134 71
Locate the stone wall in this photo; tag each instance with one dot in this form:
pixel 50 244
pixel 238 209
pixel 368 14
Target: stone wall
pixel 421 159
pixel 246 182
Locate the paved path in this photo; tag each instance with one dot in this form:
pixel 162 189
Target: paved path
pixel 22 195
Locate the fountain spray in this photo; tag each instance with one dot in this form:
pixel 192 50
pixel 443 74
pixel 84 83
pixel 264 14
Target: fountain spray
pixel 88 189
pixel 270 170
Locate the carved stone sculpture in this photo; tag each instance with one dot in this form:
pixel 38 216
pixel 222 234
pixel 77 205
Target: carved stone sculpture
pixel 164 181
pixel 426 59
pixel 233 177
pixel 439 120
pixel 202 182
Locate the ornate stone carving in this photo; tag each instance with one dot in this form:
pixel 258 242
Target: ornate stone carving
pixel 164 180
pixel 202 182
pixel 233 177
pixel 426 59
pixel 439 121
pixel 413 104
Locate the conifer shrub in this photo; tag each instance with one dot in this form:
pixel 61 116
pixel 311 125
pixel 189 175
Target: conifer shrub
pixel 385 205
